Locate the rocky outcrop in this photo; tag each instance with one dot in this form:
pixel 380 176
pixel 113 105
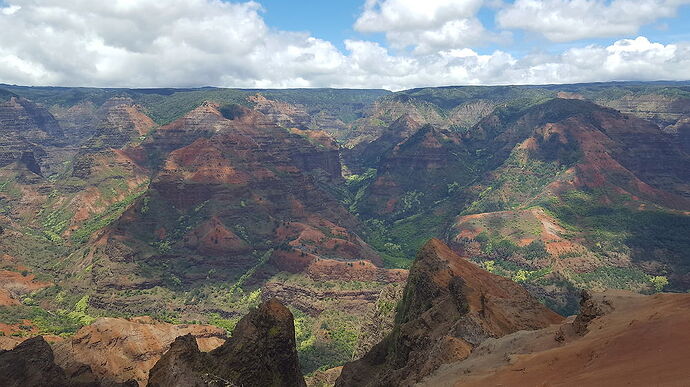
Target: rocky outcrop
pixel 311 301
pixel 121 350
pixel 261 352
pixel 120 121
pixel 590 309
pixel 78 122
pixel 449 307
pixel 31 363
pixel 242 185
pixel 281 113
pixel 619 339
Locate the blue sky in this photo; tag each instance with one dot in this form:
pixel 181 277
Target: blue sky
pixel 330 20
pixel 392 44
pixel 334 20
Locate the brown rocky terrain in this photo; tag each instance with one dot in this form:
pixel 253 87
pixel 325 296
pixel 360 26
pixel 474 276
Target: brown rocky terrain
pixel 31 363
pixel 219 205
pixel 31 121
pixel 448 308
pixel 113 350
pixel 618 339
pixel 16 281
pixel 121 350
pixel 78 122
pixel 261 352
pixel 243 183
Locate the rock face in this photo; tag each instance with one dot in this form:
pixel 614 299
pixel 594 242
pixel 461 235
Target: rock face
pixel 261 352
pixel 30 364
pixel 240 183
pixel 449 306
pixel 33 122
pixel 122 120
pixel 619 339
pixel 24 128
pixel 140 342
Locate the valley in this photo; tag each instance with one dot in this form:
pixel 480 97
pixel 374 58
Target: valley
pixel 197 207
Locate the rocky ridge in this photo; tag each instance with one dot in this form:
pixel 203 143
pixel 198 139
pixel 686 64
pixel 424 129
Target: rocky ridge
pixel 261 352
pixel 449 307
pixel 618 339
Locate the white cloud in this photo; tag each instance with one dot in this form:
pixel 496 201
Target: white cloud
pixel 627 59
pixel 155 43
pixel 429 25
pixel 568 20
pixel 152 43
pixel 405 15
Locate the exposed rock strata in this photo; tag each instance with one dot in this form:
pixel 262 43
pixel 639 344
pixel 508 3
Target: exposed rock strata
pixel 449 307
pixel 261 352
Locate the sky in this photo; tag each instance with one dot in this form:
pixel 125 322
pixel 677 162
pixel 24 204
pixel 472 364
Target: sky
pixel 391 44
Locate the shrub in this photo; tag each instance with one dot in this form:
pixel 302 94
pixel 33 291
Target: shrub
pixel 659 282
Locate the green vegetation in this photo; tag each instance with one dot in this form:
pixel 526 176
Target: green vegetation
pixel 659 282
pixel 518 180
pixel 80 312
pixel 47 322
pixel 498 247
pixel 613 278
pixel 226 323
pixel 326 341
pixel 399 241
pixel 112 213
pixel 651 234
pixel 358 184
pixel 262 261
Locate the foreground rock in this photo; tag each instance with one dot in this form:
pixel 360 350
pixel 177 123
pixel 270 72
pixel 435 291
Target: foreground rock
pixel 31 364
pixel 261 352
pixel 121 350
pixel 619 339
pixel 449 307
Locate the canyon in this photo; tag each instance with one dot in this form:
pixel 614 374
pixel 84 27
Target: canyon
pixel 179 216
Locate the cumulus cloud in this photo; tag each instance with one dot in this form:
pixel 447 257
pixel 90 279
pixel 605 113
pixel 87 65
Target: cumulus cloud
pixel 627 59
pixel 568 20
pixel 429 25
pixel 174 43
pixel 152 43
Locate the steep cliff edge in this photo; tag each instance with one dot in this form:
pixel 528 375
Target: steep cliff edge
pixel 449 306
pixel 261 352
pixel 618 339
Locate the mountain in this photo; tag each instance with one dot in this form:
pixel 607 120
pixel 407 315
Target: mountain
pixel 449 306
pixel 591 192
pixel 460 325
pixel 227 197
pixel 196 205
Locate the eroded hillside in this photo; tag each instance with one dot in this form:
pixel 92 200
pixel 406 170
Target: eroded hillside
pixel 194 205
